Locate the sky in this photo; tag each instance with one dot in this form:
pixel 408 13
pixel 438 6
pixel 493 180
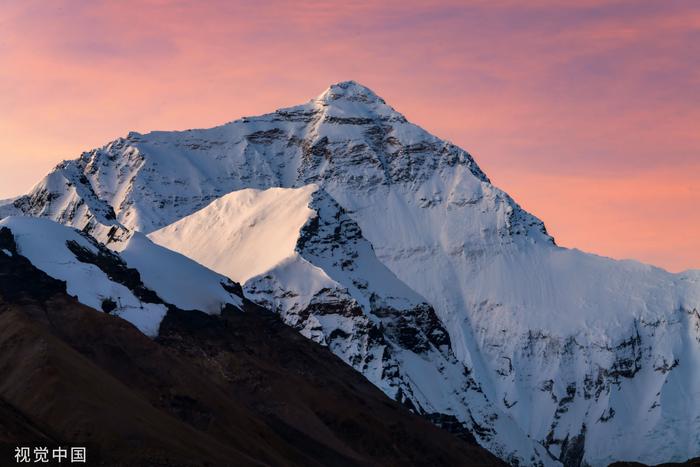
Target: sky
pixel 586 112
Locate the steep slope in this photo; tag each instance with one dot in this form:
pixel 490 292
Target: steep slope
pixel 211 390
pixel 557 341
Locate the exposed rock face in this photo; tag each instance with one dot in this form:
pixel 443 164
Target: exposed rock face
pixel 537 350
pixel 362 312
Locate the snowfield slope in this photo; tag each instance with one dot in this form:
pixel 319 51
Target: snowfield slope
pixel 563 357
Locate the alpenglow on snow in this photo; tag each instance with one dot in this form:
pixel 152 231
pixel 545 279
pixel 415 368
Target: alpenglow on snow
pixel 392 247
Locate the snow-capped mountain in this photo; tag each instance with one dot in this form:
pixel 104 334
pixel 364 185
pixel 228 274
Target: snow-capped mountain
pixel 139 285
pixel 360 228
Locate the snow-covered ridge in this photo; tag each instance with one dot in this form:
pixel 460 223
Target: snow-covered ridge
pixel 139 285
pixel 244 233
pixel 554 343
pixel 249 233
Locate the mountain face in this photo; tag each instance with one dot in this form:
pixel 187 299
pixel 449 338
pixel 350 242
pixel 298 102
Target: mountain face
pixel 391 247
pixel 212 388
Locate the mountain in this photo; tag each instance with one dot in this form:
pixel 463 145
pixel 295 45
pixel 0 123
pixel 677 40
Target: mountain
pixel 211 389
pixel 392 247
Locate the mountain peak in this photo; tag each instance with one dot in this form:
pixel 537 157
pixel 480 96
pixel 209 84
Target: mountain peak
pixel 349 91
pixel 350 101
